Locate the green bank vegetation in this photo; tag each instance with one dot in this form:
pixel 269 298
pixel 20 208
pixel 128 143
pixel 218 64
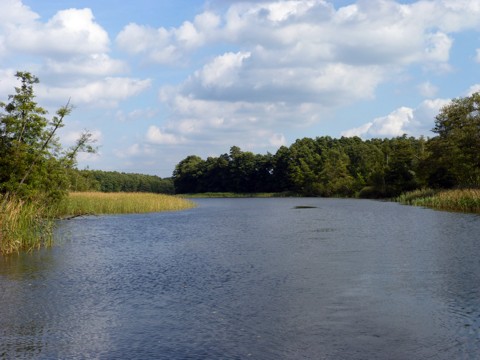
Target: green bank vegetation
pixel 37 174
pixel 24 225
pixel 462 200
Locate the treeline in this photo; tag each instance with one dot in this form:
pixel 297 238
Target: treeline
pixel 113 181
pixel 325 166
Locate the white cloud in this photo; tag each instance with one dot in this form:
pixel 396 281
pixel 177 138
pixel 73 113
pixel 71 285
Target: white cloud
pixel 427 89
pixel 14 12
pixel 70 137
pixel 168 46
pixel 105 92
pixel 69 48
pixel 93 64
pixel 157 136
pixel 222 71
pixel 135 115
pixel 277 140
pixel 8 81
pixel 69 32
pixel 404 120
pixel 473 89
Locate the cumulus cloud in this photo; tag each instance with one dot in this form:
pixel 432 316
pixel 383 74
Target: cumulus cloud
pixel 163 45
pixel 304 56
pixel 92 64
pixel 69 32
pixel 473 89
pixel 106 92
pixel 156 136
pixel 404 120
pixel 69 48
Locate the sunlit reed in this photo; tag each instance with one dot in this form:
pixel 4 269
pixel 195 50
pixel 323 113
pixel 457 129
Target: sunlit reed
pixel 96 203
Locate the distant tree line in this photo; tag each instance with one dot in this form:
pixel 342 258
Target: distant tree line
pixel 113 181
pixel 325 166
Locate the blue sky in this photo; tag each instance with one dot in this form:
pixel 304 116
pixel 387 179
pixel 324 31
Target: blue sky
pixel 156 81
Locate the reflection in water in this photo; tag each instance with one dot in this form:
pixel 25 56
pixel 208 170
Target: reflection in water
pixel 250 278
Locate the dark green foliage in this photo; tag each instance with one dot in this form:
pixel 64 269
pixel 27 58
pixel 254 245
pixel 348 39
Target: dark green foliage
pixel 454 155
pixel 113 181
pixel 311 167
pixel 33 165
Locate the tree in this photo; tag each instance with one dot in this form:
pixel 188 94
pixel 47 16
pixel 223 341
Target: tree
pixel 455 153
pixel 32 162
pixel 335 178
pixel 187 174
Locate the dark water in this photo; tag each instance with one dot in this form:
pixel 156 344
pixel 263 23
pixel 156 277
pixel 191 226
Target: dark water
pixel 250 279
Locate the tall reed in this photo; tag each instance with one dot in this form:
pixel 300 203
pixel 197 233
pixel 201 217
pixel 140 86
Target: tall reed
pixel 96 203
pixel 463 200
pixel 24 225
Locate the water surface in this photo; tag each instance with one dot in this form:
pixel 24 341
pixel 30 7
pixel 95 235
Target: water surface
pixel 250 278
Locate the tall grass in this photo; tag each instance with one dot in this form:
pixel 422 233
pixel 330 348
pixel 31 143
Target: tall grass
pixel 463 200
pixel 96 203
pixel 24 225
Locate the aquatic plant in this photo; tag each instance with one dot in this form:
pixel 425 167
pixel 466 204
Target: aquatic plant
pixel 463 200
pixel 24 225
pixel 96 203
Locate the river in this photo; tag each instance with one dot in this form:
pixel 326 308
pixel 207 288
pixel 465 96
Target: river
pixel 250 279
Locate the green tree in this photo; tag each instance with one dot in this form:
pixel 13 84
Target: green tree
pixel 455 152
pixel 335 178
pixel 187 174
pixel 306 163
pixel 32 162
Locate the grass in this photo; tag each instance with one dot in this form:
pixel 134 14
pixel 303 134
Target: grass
pixel 97 203
pixel 24 225
pixel 462 200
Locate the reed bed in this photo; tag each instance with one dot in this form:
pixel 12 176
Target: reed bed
pixel 97 203
pixel 462 200
pixel 24 225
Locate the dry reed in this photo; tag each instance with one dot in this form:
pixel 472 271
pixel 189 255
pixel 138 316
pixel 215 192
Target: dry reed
pixel 96 203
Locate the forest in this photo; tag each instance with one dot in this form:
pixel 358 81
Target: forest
pixel 114 181
pixel 352 167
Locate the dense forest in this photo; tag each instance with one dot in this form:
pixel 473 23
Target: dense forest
pixel 325 166
pixel 113 181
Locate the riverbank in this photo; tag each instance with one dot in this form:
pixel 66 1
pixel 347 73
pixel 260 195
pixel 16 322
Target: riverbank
pixel 461 200
pixel 27 225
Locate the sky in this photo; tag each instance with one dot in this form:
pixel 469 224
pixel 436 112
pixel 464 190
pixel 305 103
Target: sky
pixel 158 80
